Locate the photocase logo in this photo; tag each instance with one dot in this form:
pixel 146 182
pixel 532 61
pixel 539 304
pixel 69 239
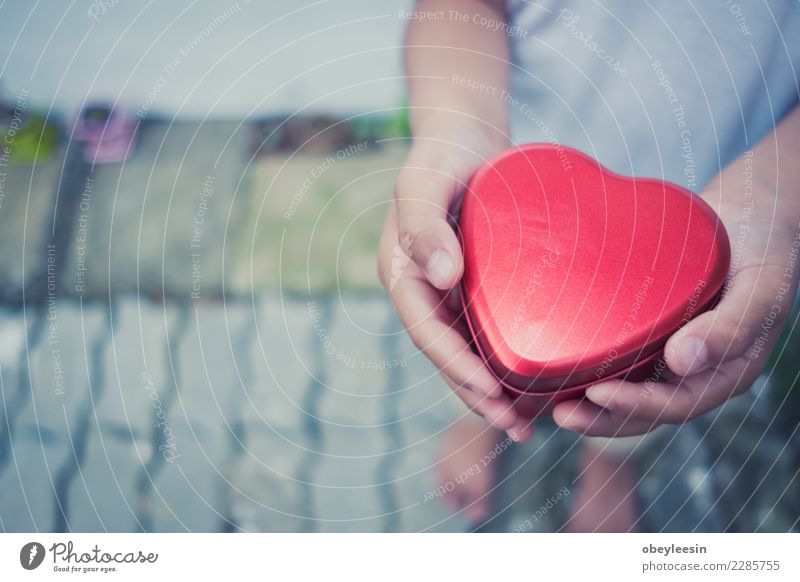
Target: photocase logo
pixel 31 555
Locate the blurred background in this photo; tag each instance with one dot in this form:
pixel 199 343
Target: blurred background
pixel 192 334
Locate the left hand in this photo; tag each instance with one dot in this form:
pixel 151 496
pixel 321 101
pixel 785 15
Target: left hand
pixel 720 353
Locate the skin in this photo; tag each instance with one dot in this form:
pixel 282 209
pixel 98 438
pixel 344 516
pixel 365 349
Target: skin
pixel 455 129
pixel 712 356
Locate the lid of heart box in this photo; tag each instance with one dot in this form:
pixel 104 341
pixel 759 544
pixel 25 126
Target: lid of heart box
pixel 572 272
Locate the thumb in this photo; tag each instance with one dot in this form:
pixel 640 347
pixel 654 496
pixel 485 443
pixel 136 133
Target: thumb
pixel 423 199
pixel 750 310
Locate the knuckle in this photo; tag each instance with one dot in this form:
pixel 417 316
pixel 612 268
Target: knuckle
pixel 676 417
pixel 463 394
pixel 457 376
pixel 673 411
pixel 733 336
pixel 419 341
pixel 733 383
pixel 474 408
pixel 741 338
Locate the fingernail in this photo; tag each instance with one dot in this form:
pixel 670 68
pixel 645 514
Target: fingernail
pixel 600 395
pixel 571 424
pixel 440 268
pixel 693 355
pixel 568 421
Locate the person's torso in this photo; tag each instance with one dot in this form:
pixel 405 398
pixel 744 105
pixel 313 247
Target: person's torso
pixel 670 89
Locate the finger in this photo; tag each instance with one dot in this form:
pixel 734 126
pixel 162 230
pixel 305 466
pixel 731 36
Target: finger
pixel 419 307
pixel 522 430
pixel 498 412
pixel 590 419
pixel 679 400
pixel 730 330
pixel 478 511
pixel 423 199
pixel 392 262
pixel 449 351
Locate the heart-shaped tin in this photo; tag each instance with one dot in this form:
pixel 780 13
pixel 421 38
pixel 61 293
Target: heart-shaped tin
pixel 574 274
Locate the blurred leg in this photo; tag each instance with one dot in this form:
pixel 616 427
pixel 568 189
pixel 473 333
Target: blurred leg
pixel 467 468
pixel 605 497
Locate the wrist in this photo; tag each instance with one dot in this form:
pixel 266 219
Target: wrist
pixel 758 198
pixel 461 132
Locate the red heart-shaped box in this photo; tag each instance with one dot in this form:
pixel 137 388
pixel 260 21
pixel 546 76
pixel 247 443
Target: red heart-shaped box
pixel 574 274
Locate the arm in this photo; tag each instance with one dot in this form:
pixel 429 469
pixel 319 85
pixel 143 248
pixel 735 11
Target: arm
pixel 445 45
pixel 457 72
pixel 454 127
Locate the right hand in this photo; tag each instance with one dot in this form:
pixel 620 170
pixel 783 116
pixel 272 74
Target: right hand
pixel 420 264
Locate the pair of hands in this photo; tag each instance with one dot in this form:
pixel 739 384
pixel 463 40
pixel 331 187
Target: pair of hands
pixel 713 358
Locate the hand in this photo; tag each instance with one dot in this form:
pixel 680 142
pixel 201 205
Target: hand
pixel 420 264
pixel 720 353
